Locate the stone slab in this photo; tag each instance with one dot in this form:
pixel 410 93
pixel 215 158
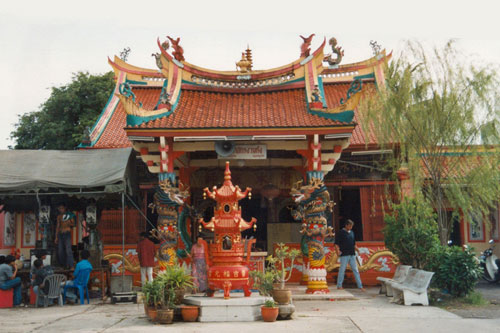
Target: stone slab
pixel 235 309
pixel 299 294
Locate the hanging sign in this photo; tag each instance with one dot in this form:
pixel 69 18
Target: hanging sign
pixel 248 152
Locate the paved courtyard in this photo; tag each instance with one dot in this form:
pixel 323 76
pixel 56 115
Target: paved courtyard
pixel 366 312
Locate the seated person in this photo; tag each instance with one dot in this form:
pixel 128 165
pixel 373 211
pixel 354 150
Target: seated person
pixel 8 279
pixel 39 274
pixel 83 264
pixel 2 260
pixel 40 255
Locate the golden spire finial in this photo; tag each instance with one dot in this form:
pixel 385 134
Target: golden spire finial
pixel 227 173
pixel 249 57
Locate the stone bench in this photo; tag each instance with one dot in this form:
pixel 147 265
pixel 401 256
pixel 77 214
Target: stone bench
pixel 413 290
pixel 399 276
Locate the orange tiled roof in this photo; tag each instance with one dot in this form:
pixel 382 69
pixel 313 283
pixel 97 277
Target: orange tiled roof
pixel 202 109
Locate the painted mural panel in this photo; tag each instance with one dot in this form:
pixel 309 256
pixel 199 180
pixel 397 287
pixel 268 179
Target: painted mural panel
pixel 476 228
pixel 9 232
pixel 29 230
pixel 374 260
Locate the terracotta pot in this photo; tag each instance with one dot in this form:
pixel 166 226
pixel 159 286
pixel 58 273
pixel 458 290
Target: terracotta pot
pixel 165 316
pixel 269 314
pixel 282 296
pixel 179 296
pixel 189 312
pixel 153 314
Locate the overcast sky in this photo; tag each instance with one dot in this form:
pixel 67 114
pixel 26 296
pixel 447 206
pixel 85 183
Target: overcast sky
pixel 43 42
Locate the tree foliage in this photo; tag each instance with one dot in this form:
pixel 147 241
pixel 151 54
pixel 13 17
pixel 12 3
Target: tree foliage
pixel 411 233
pixel 456 270
pixel 62 119
pixel 437 108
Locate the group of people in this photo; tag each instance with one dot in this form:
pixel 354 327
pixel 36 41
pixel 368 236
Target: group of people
pixel 38 273
pixel 9 278
pixel 146 251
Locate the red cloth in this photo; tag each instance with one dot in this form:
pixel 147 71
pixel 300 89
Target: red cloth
pixel 146 251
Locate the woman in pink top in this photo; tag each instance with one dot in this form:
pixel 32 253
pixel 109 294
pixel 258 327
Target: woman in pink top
pixel 199 256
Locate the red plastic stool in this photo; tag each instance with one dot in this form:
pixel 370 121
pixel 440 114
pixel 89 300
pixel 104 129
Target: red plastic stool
pixel 32 296
pixel 6 298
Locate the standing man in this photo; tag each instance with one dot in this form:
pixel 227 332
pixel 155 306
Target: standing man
pixel 8 279
pixel 146 251
pixel 65 221
pixel 345 246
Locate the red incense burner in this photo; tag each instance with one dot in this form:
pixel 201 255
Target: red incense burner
pixel 228 268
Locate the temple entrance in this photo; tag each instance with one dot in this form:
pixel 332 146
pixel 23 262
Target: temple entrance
pixel 254 208
pixel 348 206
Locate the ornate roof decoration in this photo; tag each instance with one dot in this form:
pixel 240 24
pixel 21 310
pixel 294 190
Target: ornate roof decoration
pixel 305 48
pixel 335 49
pixel 174 75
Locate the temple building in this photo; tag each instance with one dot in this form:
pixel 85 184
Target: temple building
pixel 273 125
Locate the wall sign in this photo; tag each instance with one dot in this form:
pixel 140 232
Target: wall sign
pixel 248 152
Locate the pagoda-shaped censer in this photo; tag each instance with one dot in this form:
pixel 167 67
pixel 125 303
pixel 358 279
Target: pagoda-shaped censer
pixel 228 269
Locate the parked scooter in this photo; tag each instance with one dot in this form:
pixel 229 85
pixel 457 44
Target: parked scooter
pixel 490 264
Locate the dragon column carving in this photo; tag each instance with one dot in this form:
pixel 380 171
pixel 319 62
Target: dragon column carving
pixel 313 200
pixel 172 213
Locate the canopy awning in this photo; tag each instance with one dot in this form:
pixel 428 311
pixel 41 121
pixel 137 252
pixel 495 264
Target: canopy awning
pixel 78 172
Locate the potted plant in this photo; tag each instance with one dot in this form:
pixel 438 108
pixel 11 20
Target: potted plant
pixel 179 279
pixel 151 291
pixel 269 311
pixel 280 294
pixel 189 312
pixel 264 281
pixel 165 308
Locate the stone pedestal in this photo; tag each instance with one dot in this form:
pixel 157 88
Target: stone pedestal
pixel 236 308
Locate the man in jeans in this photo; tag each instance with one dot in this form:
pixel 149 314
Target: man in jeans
pixel 65 221
pixel 8 279
pixel 345 245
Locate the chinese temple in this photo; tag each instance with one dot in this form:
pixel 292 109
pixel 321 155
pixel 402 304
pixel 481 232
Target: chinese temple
pixel 275 126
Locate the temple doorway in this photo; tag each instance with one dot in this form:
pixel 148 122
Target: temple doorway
pixel 348 206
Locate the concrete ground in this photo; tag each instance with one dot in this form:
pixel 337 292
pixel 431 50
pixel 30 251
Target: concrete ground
pixel 490 291
pixel 366 312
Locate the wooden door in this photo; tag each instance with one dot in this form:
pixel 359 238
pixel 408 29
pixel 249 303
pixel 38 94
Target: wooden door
pixel 373 204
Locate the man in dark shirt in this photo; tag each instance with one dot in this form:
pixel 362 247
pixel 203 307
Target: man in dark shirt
pixel 39 274
pixel 345 245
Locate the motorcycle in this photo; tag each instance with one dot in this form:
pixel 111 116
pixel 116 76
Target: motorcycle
pixel 490 264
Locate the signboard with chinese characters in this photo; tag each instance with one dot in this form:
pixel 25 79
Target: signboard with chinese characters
pixel 248 152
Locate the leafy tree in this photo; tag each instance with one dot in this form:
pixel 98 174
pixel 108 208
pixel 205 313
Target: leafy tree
pixel 437 108
pixel 62 119
pixel 411 233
